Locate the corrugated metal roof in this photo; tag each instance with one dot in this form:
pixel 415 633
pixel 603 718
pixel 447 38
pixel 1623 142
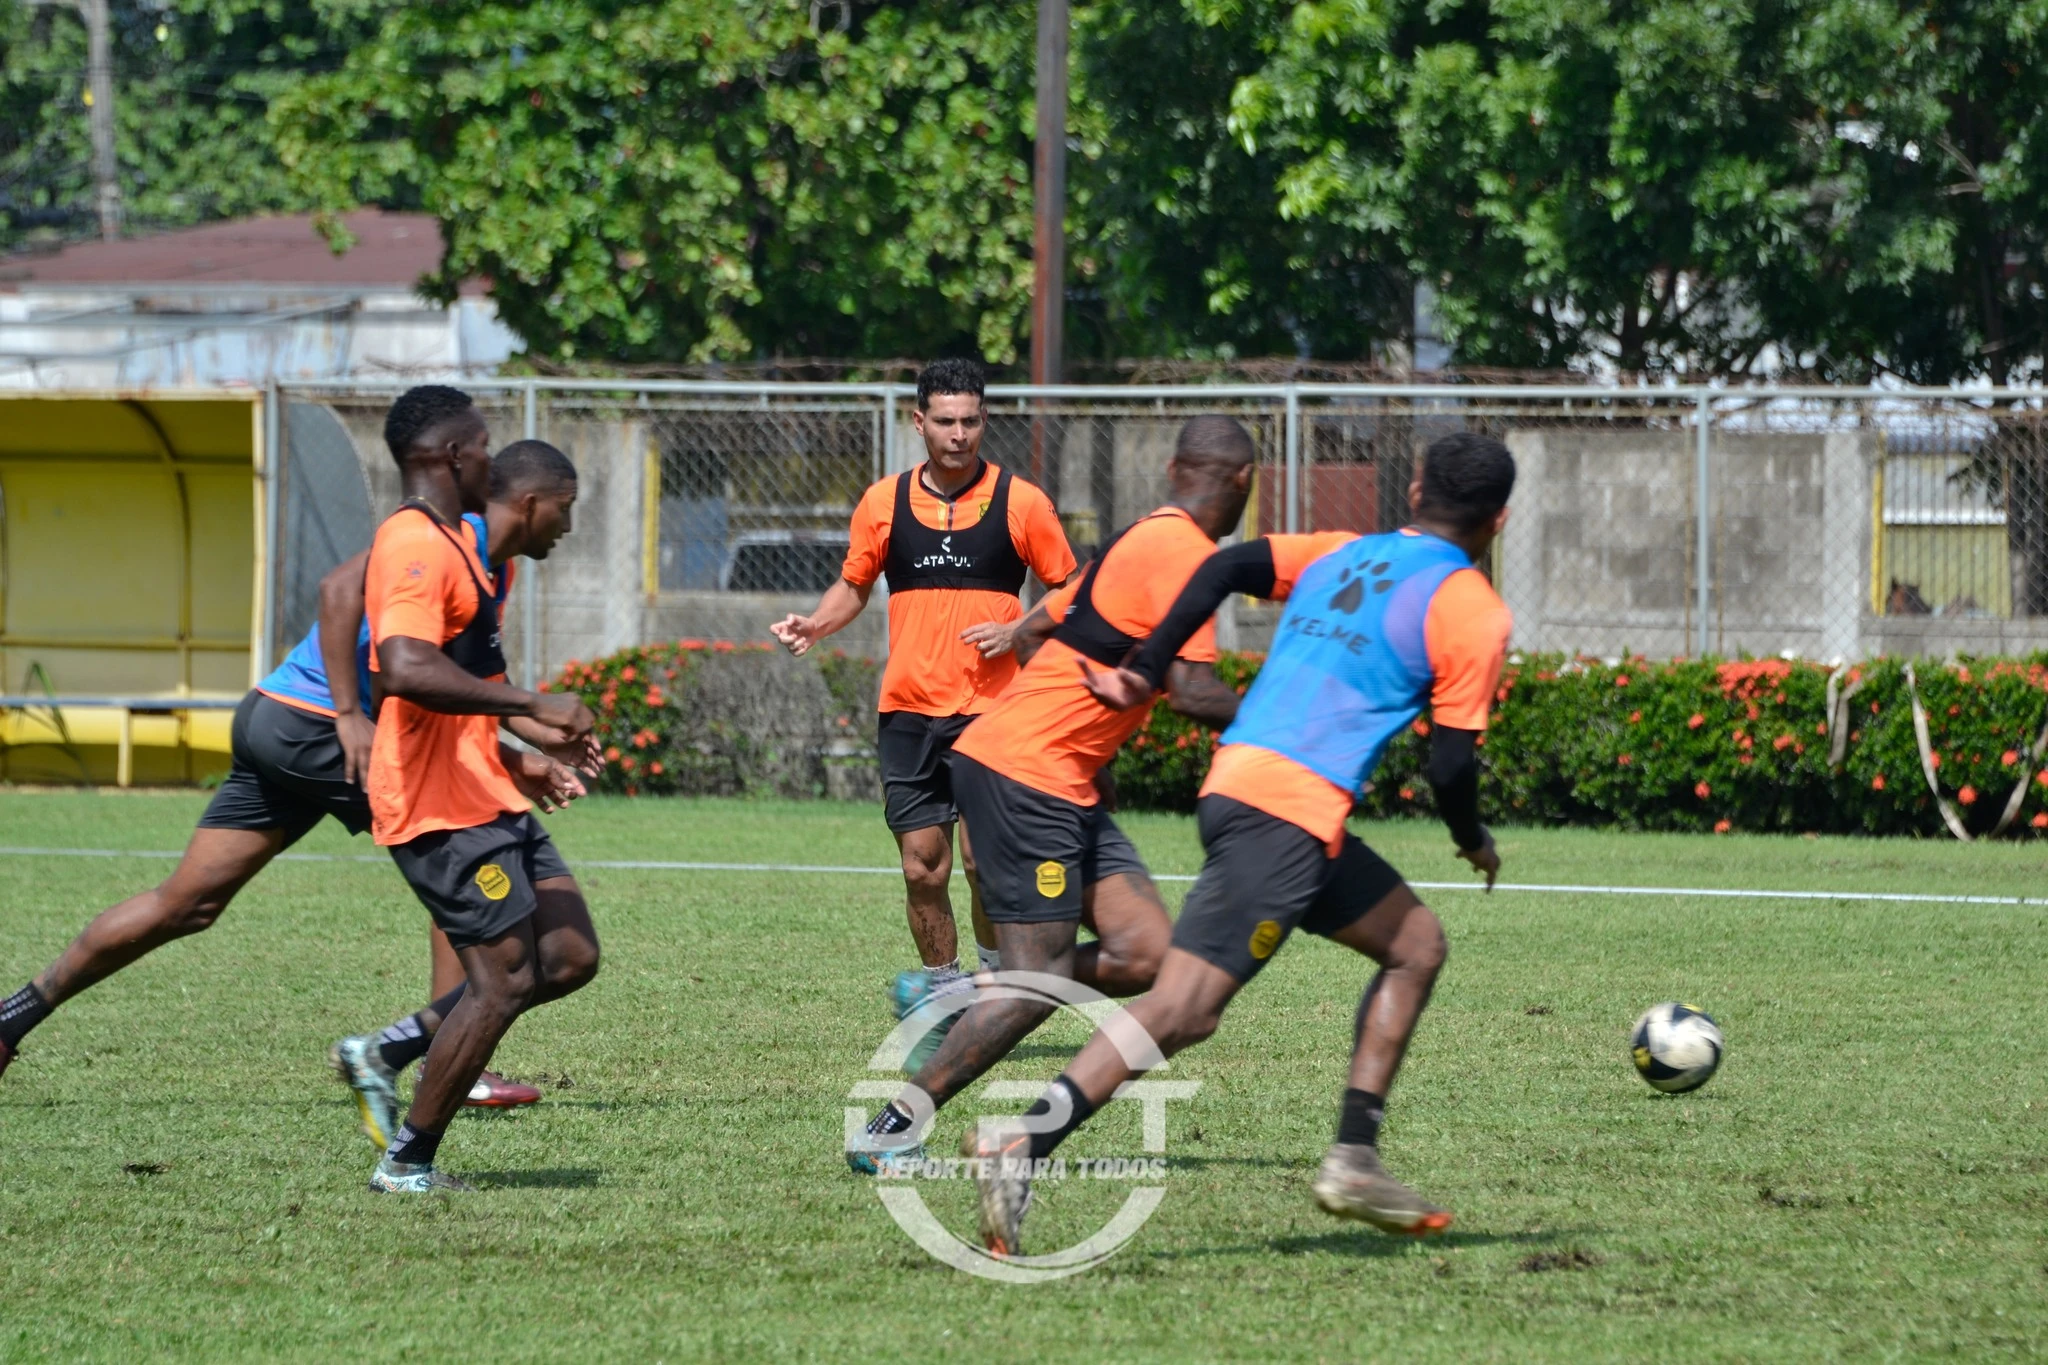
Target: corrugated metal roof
pixel 392 251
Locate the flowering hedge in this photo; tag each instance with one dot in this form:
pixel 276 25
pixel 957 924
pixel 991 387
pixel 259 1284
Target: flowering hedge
pixel 1700 746
pixel 1685 745
pixel 714 718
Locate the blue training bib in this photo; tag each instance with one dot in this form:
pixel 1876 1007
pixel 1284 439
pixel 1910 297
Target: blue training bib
pixel 1350 662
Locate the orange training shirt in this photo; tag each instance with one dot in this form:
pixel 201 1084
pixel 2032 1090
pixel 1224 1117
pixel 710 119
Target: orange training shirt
pixel 1466 631
pixel 428 770
pixel 1047 731
pixel 931 670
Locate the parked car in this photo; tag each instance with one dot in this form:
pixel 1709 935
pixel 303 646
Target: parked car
pixel 783 561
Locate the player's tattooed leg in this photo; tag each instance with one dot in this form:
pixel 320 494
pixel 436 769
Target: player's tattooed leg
pixel 990 1028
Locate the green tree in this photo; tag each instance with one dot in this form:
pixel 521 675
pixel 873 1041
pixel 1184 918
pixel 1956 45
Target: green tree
pixel 1833 185
pixel 691 180
pixel 1181 247
pixel 193 84
pixel 701 179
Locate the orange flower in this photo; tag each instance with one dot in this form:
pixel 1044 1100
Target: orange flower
pixel 1968 796
pixel 2040 821
pixel 689 644
pixel 1621 680
pixel 1696 722
pixel 628 763
pixel 654 768
pixel 1420 727
pixel 1877 783
pixel 1821 728
pixel 655 697
pixel 722 646
pixel 628 673
pixel 1723 826
pixel 1702 791
pixel 2009 757
pixel 1624 760
pixel 612 754
pixel 1407 793
pixel 1782 742
pixel 1635 718
pixel 1934 758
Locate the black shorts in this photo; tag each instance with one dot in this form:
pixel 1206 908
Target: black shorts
pixel 1263 879
pixel 1033 852
pixel 478 882
pixel 287 773
pixel 916 753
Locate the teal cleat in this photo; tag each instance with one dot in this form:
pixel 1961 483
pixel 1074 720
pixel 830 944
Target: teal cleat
pixel 909 990
pixel 898 1162
pixel 361 1067
pixel 912 996
pixel 402 1177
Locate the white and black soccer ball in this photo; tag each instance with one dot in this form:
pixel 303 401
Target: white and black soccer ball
pixel 1676 1047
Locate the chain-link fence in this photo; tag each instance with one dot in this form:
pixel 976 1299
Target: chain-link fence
pixel 1827 523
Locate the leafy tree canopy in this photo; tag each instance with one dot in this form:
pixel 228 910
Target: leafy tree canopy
pixel 1828 185
pixel 194 81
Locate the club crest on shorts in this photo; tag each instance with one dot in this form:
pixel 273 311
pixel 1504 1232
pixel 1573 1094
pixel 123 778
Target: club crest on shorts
pixel 1265 938
pixel 492 881
pixel 1052 879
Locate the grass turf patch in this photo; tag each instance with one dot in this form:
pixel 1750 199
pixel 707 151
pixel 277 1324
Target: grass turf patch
pixel 1864 1178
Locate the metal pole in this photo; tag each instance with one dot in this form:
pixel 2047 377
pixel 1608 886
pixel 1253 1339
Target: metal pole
pixel 1293 437
pixel 529 595
pixel 888 433
pixel 1049 195
pixel 100 93
pixel 1702 495
pixel 1049 212
pixel 273 498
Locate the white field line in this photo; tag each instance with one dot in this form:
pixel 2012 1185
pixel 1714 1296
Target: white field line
pixel 1543 888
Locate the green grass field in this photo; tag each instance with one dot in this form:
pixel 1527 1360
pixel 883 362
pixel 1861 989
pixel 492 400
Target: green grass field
pixel 1867 1178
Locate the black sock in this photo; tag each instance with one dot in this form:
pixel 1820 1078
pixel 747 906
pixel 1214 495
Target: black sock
pixel 414 1147
pixel 406 1041
pixel 1078 1111
pixel 1361 1118
pixel 891 1121
pixel 21 1012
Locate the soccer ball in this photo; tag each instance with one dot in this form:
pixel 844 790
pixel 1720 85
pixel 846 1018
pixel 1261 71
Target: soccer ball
pixel 1676 1047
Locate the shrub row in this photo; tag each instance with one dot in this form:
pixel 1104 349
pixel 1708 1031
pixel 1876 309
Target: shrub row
pixel 1683 745
pixel 714 718
pixel 1704 745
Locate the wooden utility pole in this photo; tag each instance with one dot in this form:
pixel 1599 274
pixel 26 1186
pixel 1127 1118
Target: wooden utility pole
pixel 99 100
pixel 99 57
pixel 1049 195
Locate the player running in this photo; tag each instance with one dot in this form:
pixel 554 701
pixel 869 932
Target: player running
pixel 440 798
pixel 1026 776
pixel 1374 630
pixel 954 537
pixel 533 488
pixel 289 771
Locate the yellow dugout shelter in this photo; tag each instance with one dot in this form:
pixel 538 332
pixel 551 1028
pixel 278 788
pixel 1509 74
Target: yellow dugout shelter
pixel 133 567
